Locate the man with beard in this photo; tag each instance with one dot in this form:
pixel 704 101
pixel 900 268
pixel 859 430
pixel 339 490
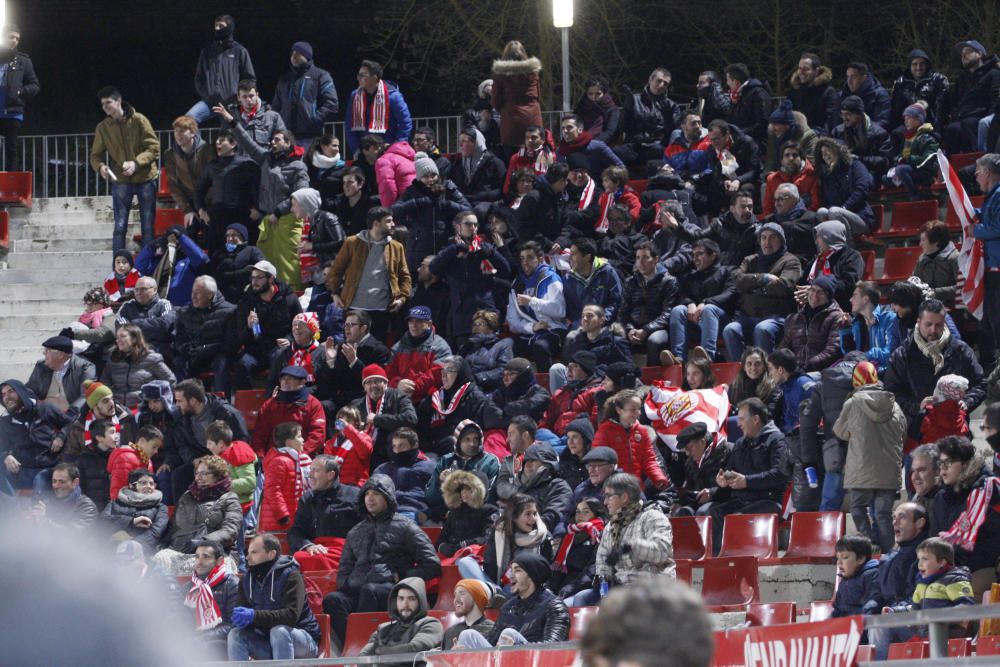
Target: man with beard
pixel 812 93
pixel 29 442
pixel 973 96
pixel 577 140
pixel 305 96
pixel 472 596
pixel 867 140
pixel 383 411
pixel 648 295
pixel 212 596
pixel 410 629
pixel 861 82
pixel 919 81
pixel 339 366
pixel 292 402
pixel 100 404
pixel 735 231
pixel 21 85
pixel 222 64
pixel 797 170
pixel 650 117
pixel 733 163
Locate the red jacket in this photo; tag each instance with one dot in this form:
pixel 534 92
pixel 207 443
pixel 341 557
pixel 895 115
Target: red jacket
pixel 309 414
pixel 567 404
pixel 356 452
pixel 940 420
pixel 421 363
pixel 635 451
pixel 278 502
pixel 807 181
pixel 122 461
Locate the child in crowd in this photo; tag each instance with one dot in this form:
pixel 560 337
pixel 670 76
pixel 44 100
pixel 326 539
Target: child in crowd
pixel 239 455
pixel 946 414
pixel 286 478
pixel 858 592
pixel 124 460
pixel 351 446
pixel 120 283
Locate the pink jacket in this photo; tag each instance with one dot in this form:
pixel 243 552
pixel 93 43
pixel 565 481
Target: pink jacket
pixel 394 171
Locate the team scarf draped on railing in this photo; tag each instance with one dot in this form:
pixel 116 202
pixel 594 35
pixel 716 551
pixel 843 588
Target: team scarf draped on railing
pixel 970 256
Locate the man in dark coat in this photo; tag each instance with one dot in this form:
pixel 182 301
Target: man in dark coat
pixel 324 517
pixel 20 85
pixel 305 95
pixel 383 410
pixel 538 480
pixel 541 214
pixel 860 81
pixel 919 81
pixel 520 394
pixel 746 104
pixel 199 334
pixel 477 173
pixel 225 191
pixel 973 96
pixel 733 162
pixel 27 432
pixel 70 371
pixel 812 93
pixel 338 373
pixel 735 231
pixel 867 140
pixel 706 297
pixel 149 312
pixel 210 570
pixel 650 117
pixel 233 263
pixel 222 64
pixel 648 295
pixel 897 570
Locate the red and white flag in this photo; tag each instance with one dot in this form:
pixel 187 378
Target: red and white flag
pixel 670 409
pixel 970 258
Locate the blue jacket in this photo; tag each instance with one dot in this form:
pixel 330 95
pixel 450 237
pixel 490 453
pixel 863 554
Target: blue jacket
pixel 278 597
pixel 878 104
pixel 988 228
pixel 897 572
pixel 400 122
pixel 883 337
pixel 185 269
pixel 793 393
pixel 306 98
pixel 410 476
pixel 602 287
pixel 848 185
pixel 599 156
pixel 860 593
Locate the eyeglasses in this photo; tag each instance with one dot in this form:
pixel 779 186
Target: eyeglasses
pixel 595 466
pixel 612 494
pixel 204 473
pixel 946 462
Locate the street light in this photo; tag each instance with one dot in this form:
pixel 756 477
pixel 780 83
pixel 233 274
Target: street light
pixel 562 18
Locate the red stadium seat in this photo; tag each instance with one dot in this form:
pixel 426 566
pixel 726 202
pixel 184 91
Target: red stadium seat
pixel 446 588
pixel 866 653
pixel 771 613
pixel 899 264
pixel 326 582
pixel 672 374
pixel 692 537
pixel 683 570
pixel 730 584
pixel 909 216
pixel 16 188
pixel 820 611
pixel 432 532
pixel 324 635
pixel 959 160
pixel 579 618
pixel 542 379
pixel 812 537
pixel 989 645
pixel 639 185
pixel 360 627
pixel 248 402
pixel 725 372
pixel 750 535
pixel 167 218
pixel 4 229
pixel 909 651
pixel 164 191
pixel 960 647
pixel 951 218
pixel 869 257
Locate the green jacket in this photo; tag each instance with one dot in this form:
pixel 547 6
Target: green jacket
pixel 923 149
pixel 131 138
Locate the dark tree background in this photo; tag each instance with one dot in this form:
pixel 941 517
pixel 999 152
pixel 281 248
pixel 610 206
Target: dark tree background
pixel 439 50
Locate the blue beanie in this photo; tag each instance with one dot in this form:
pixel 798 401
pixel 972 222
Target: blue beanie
pixel 239 229
pixel 783 114
pixel 305 48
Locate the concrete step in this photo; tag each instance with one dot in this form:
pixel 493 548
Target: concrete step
pixel 65 204
pixel 81 231
pixel 52 321
pixel 43 275
pixel 70 300
pixel 47 291
pixel 62 265
pixel 19 371
pixel 87 244
pixel 31 337
pixel 11 356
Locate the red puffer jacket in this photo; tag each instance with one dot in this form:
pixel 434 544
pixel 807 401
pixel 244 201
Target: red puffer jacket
pixel 278 502
pixel 568 403
pixel 355 450
pixel 121 462
pixel 635 451
pixel 309 414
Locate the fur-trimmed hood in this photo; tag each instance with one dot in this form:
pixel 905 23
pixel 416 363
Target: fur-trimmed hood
pixel 450 489
pixel 974 470
pixel 824 78
pixel 514 67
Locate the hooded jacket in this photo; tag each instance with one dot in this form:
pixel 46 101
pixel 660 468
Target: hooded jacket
pixel 932 87
pixel 524 396
pixel 552 493
pixel 875 428
pixel 385 548
pixel 418 633
pixel 306 98
pixel 222 64
pixel 78 370
pixel 483 464
pixel 568 402
pixel 923 148
pixel 762 296
pixel 400 125
pixel 818 101
pixel 950 502
pixel 875 98
pixel 395 171
pixel 277 596
pixel 280 175
pixel 467 523
pixel 485 182
pixel 601 287
pixel 128 139
pixel 649 118
pixel 330 512
pixel 188 262
pixel 27 435
pixel 515 95
pixel 410 472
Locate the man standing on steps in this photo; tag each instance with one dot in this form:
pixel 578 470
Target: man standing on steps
pixel 129 140
pixel 19 84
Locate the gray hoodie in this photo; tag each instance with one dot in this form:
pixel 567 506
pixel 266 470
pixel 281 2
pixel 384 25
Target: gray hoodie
pixel 417 633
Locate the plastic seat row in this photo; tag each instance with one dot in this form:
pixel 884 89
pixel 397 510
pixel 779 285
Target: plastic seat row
pixel 811 539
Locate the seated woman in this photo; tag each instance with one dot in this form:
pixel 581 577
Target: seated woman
pixel 698 373
pixel 93 332
pixel 579 437
pixel 632 441
pixel 576 561
pixel 486 352
pixel 133 364
pixel 458 399
pixel 208 510
pixel 138 513
pixel 845 184
pixel 470 519
pixel 753 380
pixel 937 266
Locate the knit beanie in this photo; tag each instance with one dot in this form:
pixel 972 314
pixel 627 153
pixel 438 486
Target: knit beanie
pixel 582 426
pixel 239 229
pixel 915 110
pixel 622 373
pixel 864 374
pixel 305 48
pixel 424 165
pixel 950 388
pixel 94 392
pixel 373 372
pixel 828 284
pixel 308 199
pixel 481 88
pixel 126 255
pixel 586 360
pixel 783 114
pixel 853 104
pixel 478 590
pixel 535 566
pixel 773 227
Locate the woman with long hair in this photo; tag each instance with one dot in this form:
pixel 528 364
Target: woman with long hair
pixel 515 94
pixel 632 441
pixel 132 364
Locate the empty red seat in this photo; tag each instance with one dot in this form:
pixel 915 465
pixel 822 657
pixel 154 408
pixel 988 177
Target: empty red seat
pixel 730 584
pixel 324 635
pixel 989 645
pixel 750 535
pixel 909 216
pixel 899 264
pixel 812 537
pixel 879 211
pixel 960 647
pixel 167 218
pixel 959 160
pixel 909 651
pixel 682 568
pixel 672 374
pixel 446 588
pixel 16 188
pixel 360 627
pixel 325 581
pixel 692 537
pixel 725 372
pixel 579 617
pixel 869 257
pixel 4 229
pixel 951 217
pixel 771 613
pixel 820 611
pixel 248 402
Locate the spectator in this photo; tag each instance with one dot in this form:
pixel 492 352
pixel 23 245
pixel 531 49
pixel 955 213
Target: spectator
pixel 410 629
pixel 326 513
pixel 30 438
pixel 598 112
pixel 418 357
pixel 594 335
pixel 576 395
pixel 521 434
pixel 395 171
pixel 537 308
pixel 120 283
pixel 292 402
pixel 575 139
pixel 410 472
pixel 874 427
pixel 138 511
pixel 835 259
pixel 286 477
pixel 199 334
pixel 383 548
pixel 425 141
pixel 813 331
pixel 648 296
pixel 487 353
pixel 208 510
pixel 706 456
pixel 377 107
pixel 574 567
pixel 796 221
pixel 469 518
pixel 937 265
pixel 971 97
pixel 516 93
pixel 322 236
pixel 536 155
pixel 754 380
pixel 865 139
pixel 132 365
pixel 591 280
pixel 326 167
pixel 752 481
pixel 276 621
pixel 687 153
pixel 784 370
pixel 471 599
pixel 520 529
pixel 339 366
pixel 631 440
pixel 467 455
pixel 350 446
pixel 812 93
pixel 76 435
pixel 477 173
pixel 919 81
pixel 543 209
pixel 183 165
pixel 765 282
pixel 650 117
pixel 733 163
pixel 173 259
pixel 58 378
pixel 796 169
pixel 305 95
pixel 134 456
pixel 153 315
pixel 988 232
pixel 861 82
pixel 747 103
pixel 95 328
pixel 222 64
pixel 241 458
pixel 579 437
pixel 92 462
pixel 930 353
pixel 945 415
pixel 68 507
pixel 299 349
pixel 706 297
pixel 858 590
pixel 898 569
pixel 845 184
pixel 226 191
pixel 698 371
pixel 539 479
pixel 483 116
pixel 872 329
pixel 212 596
pixel 735 231
pixel 925 475
pixel 128 138
pixel 916 165
pixel 372 147
pixel 22 85
pixel 383 410
pixel 599 463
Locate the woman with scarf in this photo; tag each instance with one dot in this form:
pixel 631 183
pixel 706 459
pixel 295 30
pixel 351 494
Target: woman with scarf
pixel 286 479
pixel 487 353
pixel 845 184
pixel 324 162
pixel 208 510
pixel 601 116
pixel 138 511
pixel 937 265
pixel 519 529
pixel 132 364
pixel 456 400
pixel 575 563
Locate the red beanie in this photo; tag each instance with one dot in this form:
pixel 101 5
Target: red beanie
pixel 373 372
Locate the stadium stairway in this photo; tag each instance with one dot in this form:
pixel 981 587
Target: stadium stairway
pixel 59 249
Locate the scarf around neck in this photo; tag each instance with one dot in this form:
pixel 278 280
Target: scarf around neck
pixel 201 598
pixel 621 520
pixel 505 553
pixel 204 494
pixel 303 356
pixel 933 350
pixel 589 531
pixel 377 122
pixel 442 411
pixel 132 498
pixel 475 246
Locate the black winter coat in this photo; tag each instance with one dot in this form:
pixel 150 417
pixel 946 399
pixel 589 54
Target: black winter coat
pixel 554 497
pixel 154 318
pixel 342 382
pixel 975 92
pixel 715 285
pixel 872 145
pixel 646 304
pixel 711 188
pixel 306 98
pixel 199 333
pixel 487 355
pixel 933 88
pixel 750 113
pixel 221 66
pixel 189 448
pixel 571 469
pixel 470 289
pixel 326 235
pixel 275 317
pixel 542 617
pixel 352 218
pixel 524 396
pixel 736 240
pixel 486 183
pixel 228 183
pixel 475 405
pixel 428 216
pixel 466 525
pixel 20 81
pixel 760 460
pixel 608 347
pixel 231 270
pixel 819 102
pixel 331 512
pixel 875 98
pixel 848 185
pixel 697 478
pixel 29 437
pixel 397 411
pixel 95 481
pixel 847 266
pixel 541 216
pixel 649 118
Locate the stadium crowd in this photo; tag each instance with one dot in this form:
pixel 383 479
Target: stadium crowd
pixel 399 307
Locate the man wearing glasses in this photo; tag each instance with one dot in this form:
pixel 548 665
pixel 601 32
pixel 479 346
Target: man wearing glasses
pixel 338 374
pixel 377 107
pixel 148 312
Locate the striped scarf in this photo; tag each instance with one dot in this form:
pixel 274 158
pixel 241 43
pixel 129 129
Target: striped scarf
pixel 201 598
pixel 587 195
pixel 964 532
pixel 303 356
pixel 475 245
pixel 90 419
pixel 592 529
pixel 112 287
pixel 302 466
pixel 441 412
pixel 373 410
pixel 608 199
pixel 378 123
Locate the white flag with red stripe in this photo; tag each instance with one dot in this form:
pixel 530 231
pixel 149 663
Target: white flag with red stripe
pixel 670 409
pixel 970 258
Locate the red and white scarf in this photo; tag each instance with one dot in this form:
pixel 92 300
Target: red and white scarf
pixel 250 115
pixel 475 245
pixel 303 464
pixel 378 123
pixel 303 356
pixel 978 505
pixel 540 160
pixel 202 599
pixel 592 528
pixel 821 267
pixel 308 261
pixel 90 419
pixel 373 410
pixel 441 412
pixel 112 287
pixel 587 195
pixel 608 199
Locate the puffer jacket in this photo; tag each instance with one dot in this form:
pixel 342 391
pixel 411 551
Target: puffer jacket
pixel 714 285
pixel 395 171
pixel 154 319
pixel 467 523
pixel 21 83
pixel 221 516
pixel 951 501
pixel 94 478
pixel 278 503
pixel 277 597
pixel 385 548
pixel 975 91
pixel 859 594
pixel 306 98
pixel 649 118
pixel 923 152
pixel 306 411
pixel 222 64
pixel 487 355
pixel 646 304
pixel 484 465
pixel 818 101
pixel 568 402
pixel 848 186
pixel 874 427
pixel 524 396
pixel 200 333
pixel 428 216
pixel 932 88
pixel 553 494
pixel 541 617
pixel 750 113
pixel 875 98
pixel 940 271
pixel 189 261
pixel 515 95
pixel 121 462
pixel 418 633
pixel 759 459
pixel 760 297
pixel 410 473
pixel 634 447
pixel 400 124
pixel 331 512
pixel 280 176
pixel 27 435
pixel 883 337
pixel 814 336
pixel 420 362
pixel 120 513
pixel 644 549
